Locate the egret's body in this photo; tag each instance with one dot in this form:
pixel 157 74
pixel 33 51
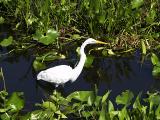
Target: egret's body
pixel 61 74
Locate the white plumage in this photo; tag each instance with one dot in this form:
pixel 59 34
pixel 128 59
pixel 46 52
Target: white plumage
pixel 61 74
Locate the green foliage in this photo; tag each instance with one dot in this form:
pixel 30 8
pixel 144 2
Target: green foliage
pixel 89 61
pixel 15 103
pixel 7 42
pixel 10 107
pixel 154 59
pixel 49 38
pixel 144 50
pixel 125 98
pixel 98 18
pixel 156 65
pixel 38 65
pixel 84 105
pixel 49 56
pixel 1 20
pixel 137 3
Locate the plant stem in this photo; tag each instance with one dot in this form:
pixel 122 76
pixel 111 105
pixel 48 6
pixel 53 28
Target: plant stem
pixel 4 83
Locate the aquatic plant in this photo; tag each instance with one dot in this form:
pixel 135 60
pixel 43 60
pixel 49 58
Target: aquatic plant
pixel 73 19
pixel 156 65
pixel 84 105
pixel 10 107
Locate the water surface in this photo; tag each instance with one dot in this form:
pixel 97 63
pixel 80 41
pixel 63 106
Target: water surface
pixel 116 74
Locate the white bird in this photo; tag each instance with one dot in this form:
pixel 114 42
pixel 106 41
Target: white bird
pixel 61 74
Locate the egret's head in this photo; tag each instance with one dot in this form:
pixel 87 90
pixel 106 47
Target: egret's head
pixel 93 41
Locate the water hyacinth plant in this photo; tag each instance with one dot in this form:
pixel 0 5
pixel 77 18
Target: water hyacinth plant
pixel 84 105
pixel 105 19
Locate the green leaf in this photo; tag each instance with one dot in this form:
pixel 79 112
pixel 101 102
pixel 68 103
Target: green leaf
pixel 136 3
pixel 38 65
pixel 137 104
pixel 49 38
pixel 110 106
pixel 5 116
pixel 76 36
pixel 154 59
pixel 152 13
pixel 123 114
pixel 50 56
pixel 97 101
pixel 2 110
pixel 37 115
pixel 143 47
pixel 157 112
pixel 153 100
pixel 61 114
pixel 82 96
pixel 49 105
pixel 103 113
pixel 86 114
pixel 3 95
pixel 156 71
pixel 6 42
pixel 125 98
pixel 110 52
pixel 105 52
pixel 1 20
pixel 15 102
pixel 104 98
pixel 111 110
pixel 102 19
pixel 89 61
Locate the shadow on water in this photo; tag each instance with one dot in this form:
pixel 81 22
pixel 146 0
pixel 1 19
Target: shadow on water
pixel 116 74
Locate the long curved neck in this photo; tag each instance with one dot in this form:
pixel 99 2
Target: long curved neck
pixel 77 70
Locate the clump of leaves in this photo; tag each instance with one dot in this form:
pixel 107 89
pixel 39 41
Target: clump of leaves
pixel 156 65
pixel 88 105
pixel 10 107
pixel 6 42
pixel 84 105
pixel 46 38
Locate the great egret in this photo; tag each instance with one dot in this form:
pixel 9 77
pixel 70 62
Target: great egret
pixel 61 74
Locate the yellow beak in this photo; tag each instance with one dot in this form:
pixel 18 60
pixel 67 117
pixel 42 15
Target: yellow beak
pixel 100 42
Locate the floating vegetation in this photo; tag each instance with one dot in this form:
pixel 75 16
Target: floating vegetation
pixel 84 105
pixel 125 24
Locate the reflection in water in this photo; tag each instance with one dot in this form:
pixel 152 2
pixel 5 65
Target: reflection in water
pixel 116 74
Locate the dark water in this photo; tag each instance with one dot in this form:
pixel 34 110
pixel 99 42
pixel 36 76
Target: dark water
pixel 116 74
